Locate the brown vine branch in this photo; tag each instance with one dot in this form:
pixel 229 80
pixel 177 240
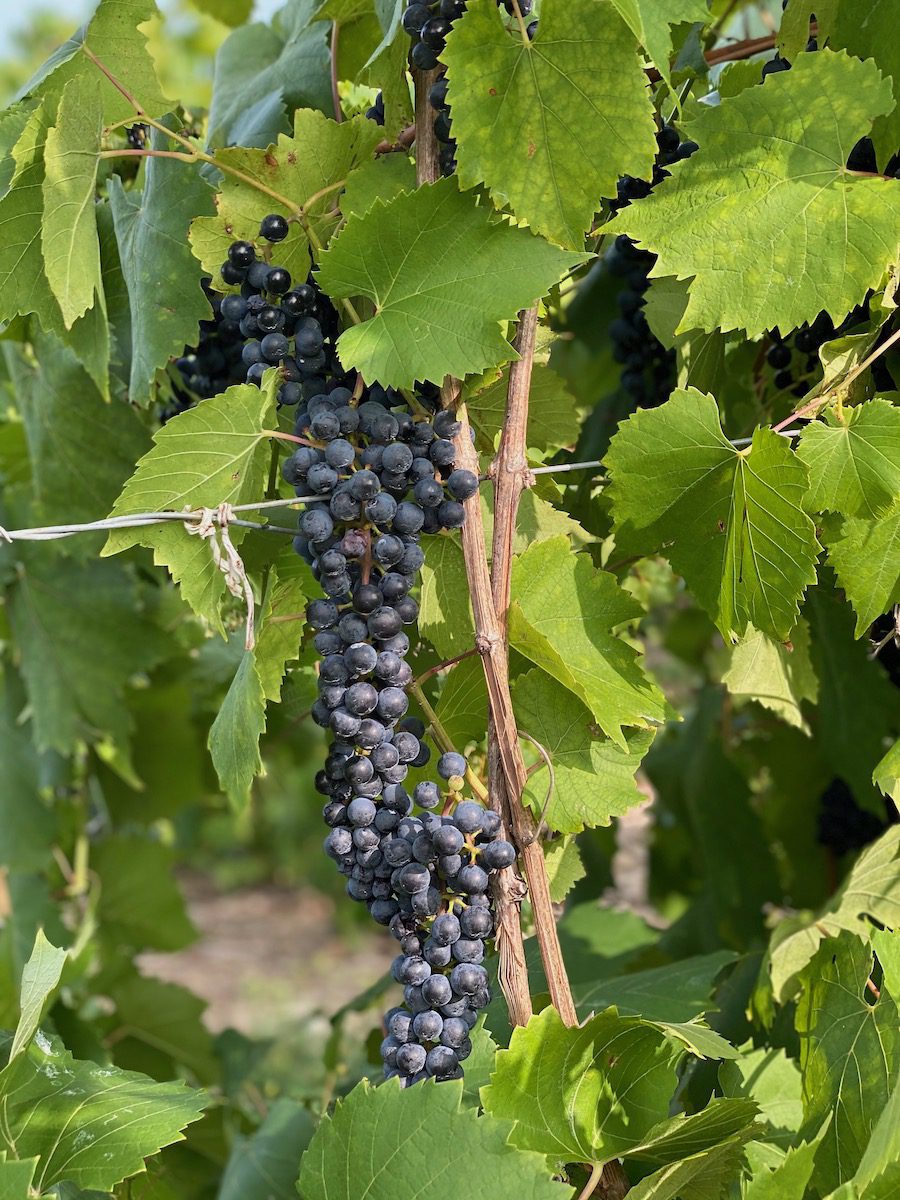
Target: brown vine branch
pixel 507 888
pixel 511 477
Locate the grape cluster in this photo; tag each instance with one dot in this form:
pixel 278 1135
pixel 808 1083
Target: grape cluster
pixel 843 826
pixel 282 324
pixel 648 374
pixel 376 476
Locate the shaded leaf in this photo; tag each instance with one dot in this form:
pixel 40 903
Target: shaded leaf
pixel 587 1094
pixel 776 675
pixel 772 1080
pixel 849 1051
pixel 140 904
pixel 166 301
pixel 730 521
pixel 703 1176
pixel 651 23
pixel 40 978
pixel 552 411
pixel 234 736
pixel 264 1165
pixel 562 615
pixel 865 554
pixel 593 777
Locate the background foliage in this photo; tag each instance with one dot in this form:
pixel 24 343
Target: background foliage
pixel 701 611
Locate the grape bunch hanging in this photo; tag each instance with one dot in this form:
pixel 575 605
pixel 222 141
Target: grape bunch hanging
pixel 377 472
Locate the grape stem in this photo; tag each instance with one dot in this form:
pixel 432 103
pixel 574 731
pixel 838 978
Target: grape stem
pixel 443 738
pixel 445 665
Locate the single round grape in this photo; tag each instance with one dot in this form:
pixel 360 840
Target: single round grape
pixel 440 1061
pixel 445 929
pixel 498 855
pixel 451 764
pixel 278 281
pixel 411 1058
pixel 427 1025
pixel 241 254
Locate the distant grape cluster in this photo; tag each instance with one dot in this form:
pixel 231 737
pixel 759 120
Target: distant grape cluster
pixel 428 25
pixel 378 472
pixel 648 367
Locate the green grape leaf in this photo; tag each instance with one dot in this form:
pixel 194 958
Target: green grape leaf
pixel 16 1178
pixel 158 1028
pixel 883 1149
pixel 23 284
pixel 229 12
pixel 27 820
pixel 235 733
pixel 562 615
pixel 703 1176
pixel 853 459
pixel 672 996
pixel 776 675
pixel 771 164
pixel 552 411
pixel 445 609
pixel 88 1124
pixel 789 1177
pixel 114 35
pixel 462 705
pixel 865 28
pixel 72 434
pixel 82 633
pixel 549 124
pixel 443 272
pixel 886 778
pixel 730 521
pixel 587 1094
pixel 166 302
pixel 593 778
pixel 215 453
pixel 687 1134
pixel 379 1143
pixel 481 1064
pixel 858 709
pixel 564 867
pixel 849 1052
pixel 40 978
pixel 140 904
pixel 651 23
pixel 320 154
pixel 381 178
pixel 69 237
pixel 263 70
pixel 264 1165
pixel 278 643
pixel 865 554
pixel 871 892
pixel 773 1081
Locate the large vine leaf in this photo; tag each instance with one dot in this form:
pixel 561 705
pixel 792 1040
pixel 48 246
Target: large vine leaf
pixel 849 1054
pixel 321 153
pixel 23 284
pixel 166 302
pixel 69 236
pixel 87 1124
pixel 81 633
pixel 264 1166
pixel 765 216
pixel 870 893
pixel 865 28
pixel 215 453
pixel 702 1176
pixel 549 124
pixel 263 70
pixel 865 554
pixel 651 23
pixel 731 522
pixel 562 616
pixel 115 36
pixel 690 1133
pixel 380 1143
pixel 72 434
pixel 587 1094
pixel 443 272
pixel 853 458
pixel 593 778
